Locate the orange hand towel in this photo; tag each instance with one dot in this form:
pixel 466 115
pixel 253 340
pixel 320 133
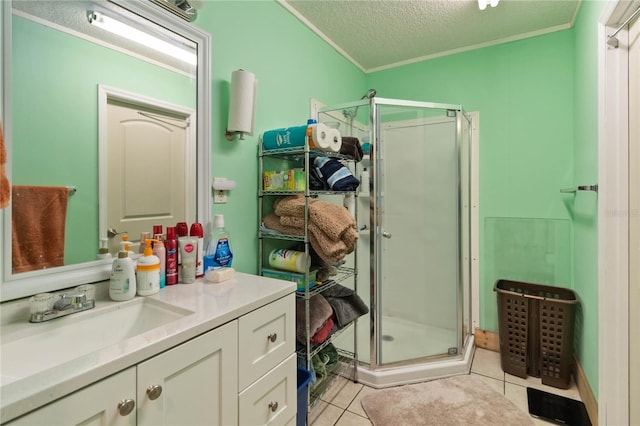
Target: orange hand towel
pixel 38 217
pixel 5 188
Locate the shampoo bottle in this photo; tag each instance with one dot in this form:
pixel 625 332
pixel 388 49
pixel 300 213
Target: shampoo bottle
pixel 122 281
pixel 218 252
pixel 160 251
pixel 148 272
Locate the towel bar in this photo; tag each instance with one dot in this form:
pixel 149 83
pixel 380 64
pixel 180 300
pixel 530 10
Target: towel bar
pixel 580 188
pixel 72 190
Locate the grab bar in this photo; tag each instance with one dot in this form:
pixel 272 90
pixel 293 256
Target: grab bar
pixel 580 188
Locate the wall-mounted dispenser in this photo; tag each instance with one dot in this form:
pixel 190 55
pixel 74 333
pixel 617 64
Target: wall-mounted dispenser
pixel 242 103
pixel 220 187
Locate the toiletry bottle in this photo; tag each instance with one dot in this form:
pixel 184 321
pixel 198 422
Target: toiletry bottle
pixel 157 229
pixel 160 251
pixel 188 247
pixel 122 281
pixel 148 272
pixel 103 251
pixel 171 246
pixel 143 237
pixel 197 232
pixel 127 243
pixel 182 230
pixel 218 253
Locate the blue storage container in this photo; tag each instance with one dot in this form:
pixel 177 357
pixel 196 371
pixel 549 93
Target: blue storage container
pixel 304 377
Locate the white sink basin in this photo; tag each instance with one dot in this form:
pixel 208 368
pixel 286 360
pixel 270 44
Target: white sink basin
pixel 27 349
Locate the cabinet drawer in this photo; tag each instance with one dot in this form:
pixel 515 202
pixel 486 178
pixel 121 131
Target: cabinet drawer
pixel 272 400
pixel 266 338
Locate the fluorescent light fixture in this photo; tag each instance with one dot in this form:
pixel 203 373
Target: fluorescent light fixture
pixel 112 25
pixel 482 4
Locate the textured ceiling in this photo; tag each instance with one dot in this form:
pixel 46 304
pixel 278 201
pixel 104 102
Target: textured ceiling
pixel 379 34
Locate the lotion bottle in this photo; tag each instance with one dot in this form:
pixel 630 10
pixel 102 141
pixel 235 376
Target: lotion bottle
pixel 122 281
pixel 148 272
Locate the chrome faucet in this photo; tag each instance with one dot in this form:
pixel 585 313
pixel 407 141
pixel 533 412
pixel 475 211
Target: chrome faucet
pixel 65 305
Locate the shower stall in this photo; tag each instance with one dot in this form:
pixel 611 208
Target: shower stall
pixel 413 217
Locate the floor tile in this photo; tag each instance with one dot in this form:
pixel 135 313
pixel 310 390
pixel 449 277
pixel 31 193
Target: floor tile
pixel 342 392
pixel 351 419
pixel 495 384
pixel 487 363
pixel 327 414
pixel 518 395
pixel 535 382
pixel 356 405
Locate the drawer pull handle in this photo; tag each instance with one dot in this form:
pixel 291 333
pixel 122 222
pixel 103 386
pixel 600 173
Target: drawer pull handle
pixel 272 338
pixel 126 406
pixel 273 406
pixel 154 392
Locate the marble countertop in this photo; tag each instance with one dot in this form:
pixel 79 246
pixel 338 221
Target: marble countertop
pixel 212 305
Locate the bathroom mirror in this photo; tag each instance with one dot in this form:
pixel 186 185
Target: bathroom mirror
pixel 58 70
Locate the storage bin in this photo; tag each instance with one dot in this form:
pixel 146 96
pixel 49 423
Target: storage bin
pixel 304 377
pixel 536 327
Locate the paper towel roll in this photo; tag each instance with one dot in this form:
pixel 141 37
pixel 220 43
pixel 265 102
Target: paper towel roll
pixel 242 101
pixel 335 140
pixel 320 137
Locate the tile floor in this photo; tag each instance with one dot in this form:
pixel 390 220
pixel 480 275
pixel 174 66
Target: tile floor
pixel 340 405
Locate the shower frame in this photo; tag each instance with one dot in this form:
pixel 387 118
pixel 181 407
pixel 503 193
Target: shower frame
pixel 378 373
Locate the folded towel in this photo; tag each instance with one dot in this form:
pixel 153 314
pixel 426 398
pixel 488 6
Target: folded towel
pixel 319 312
pixel 324 332
pixel 351 148
pixel 5 186
pixel 335 174
pixel 346 304
pixel 38 216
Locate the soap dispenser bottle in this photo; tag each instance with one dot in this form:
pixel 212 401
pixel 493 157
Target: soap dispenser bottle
pixel 122 281
pixel 148 271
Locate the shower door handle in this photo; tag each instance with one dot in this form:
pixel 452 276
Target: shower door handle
pixel 386 234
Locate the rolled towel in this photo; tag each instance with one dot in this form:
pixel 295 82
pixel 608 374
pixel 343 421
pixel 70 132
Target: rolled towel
pixel 335 174
pixel 351 148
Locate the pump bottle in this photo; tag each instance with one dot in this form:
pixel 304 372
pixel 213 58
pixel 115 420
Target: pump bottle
pixel 122 281
pixel 148 272
pixel 218 253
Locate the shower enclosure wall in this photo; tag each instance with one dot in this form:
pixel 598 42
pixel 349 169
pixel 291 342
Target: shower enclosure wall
pixel 414 247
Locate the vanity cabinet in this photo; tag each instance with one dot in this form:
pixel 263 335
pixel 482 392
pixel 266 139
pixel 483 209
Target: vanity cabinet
pixel 243 372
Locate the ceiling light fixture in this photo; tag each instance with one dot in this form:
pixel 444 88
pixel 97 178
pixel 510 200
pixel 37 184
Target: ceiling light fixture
pixel 112 25
pixel 482 4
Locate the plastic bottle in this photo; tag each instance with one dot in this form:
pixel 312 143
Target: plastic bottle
pixel 218 253
pixel 289 260
pixel 122 281
pixel 160 251
pixel 364 181
pixel 144 236
pixel 103 251
pixel 148 272
pixel 171 247
pixel 197 232
pixel 182 230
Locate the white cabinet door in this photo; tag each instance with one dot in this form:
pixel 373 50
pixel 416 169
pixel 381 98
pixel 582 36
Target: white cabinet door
pixel 97 404
pixel 195 383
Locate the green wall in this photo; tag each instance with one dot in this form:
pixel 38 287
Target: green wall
pixel 524 93
pixel 291 64
pixel 584 206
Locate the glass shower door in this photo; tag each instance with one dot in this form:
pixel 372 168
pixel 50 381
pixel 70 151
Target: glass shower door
pixel 417 195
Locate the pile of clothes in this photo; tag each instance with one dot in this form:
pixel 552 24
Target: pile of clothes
pixel 332 229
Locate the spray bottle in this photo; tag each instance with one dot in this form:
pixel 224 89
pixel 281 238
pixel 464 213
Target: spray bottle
pixel 148 271
pixel 160 251
pixel 122 281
